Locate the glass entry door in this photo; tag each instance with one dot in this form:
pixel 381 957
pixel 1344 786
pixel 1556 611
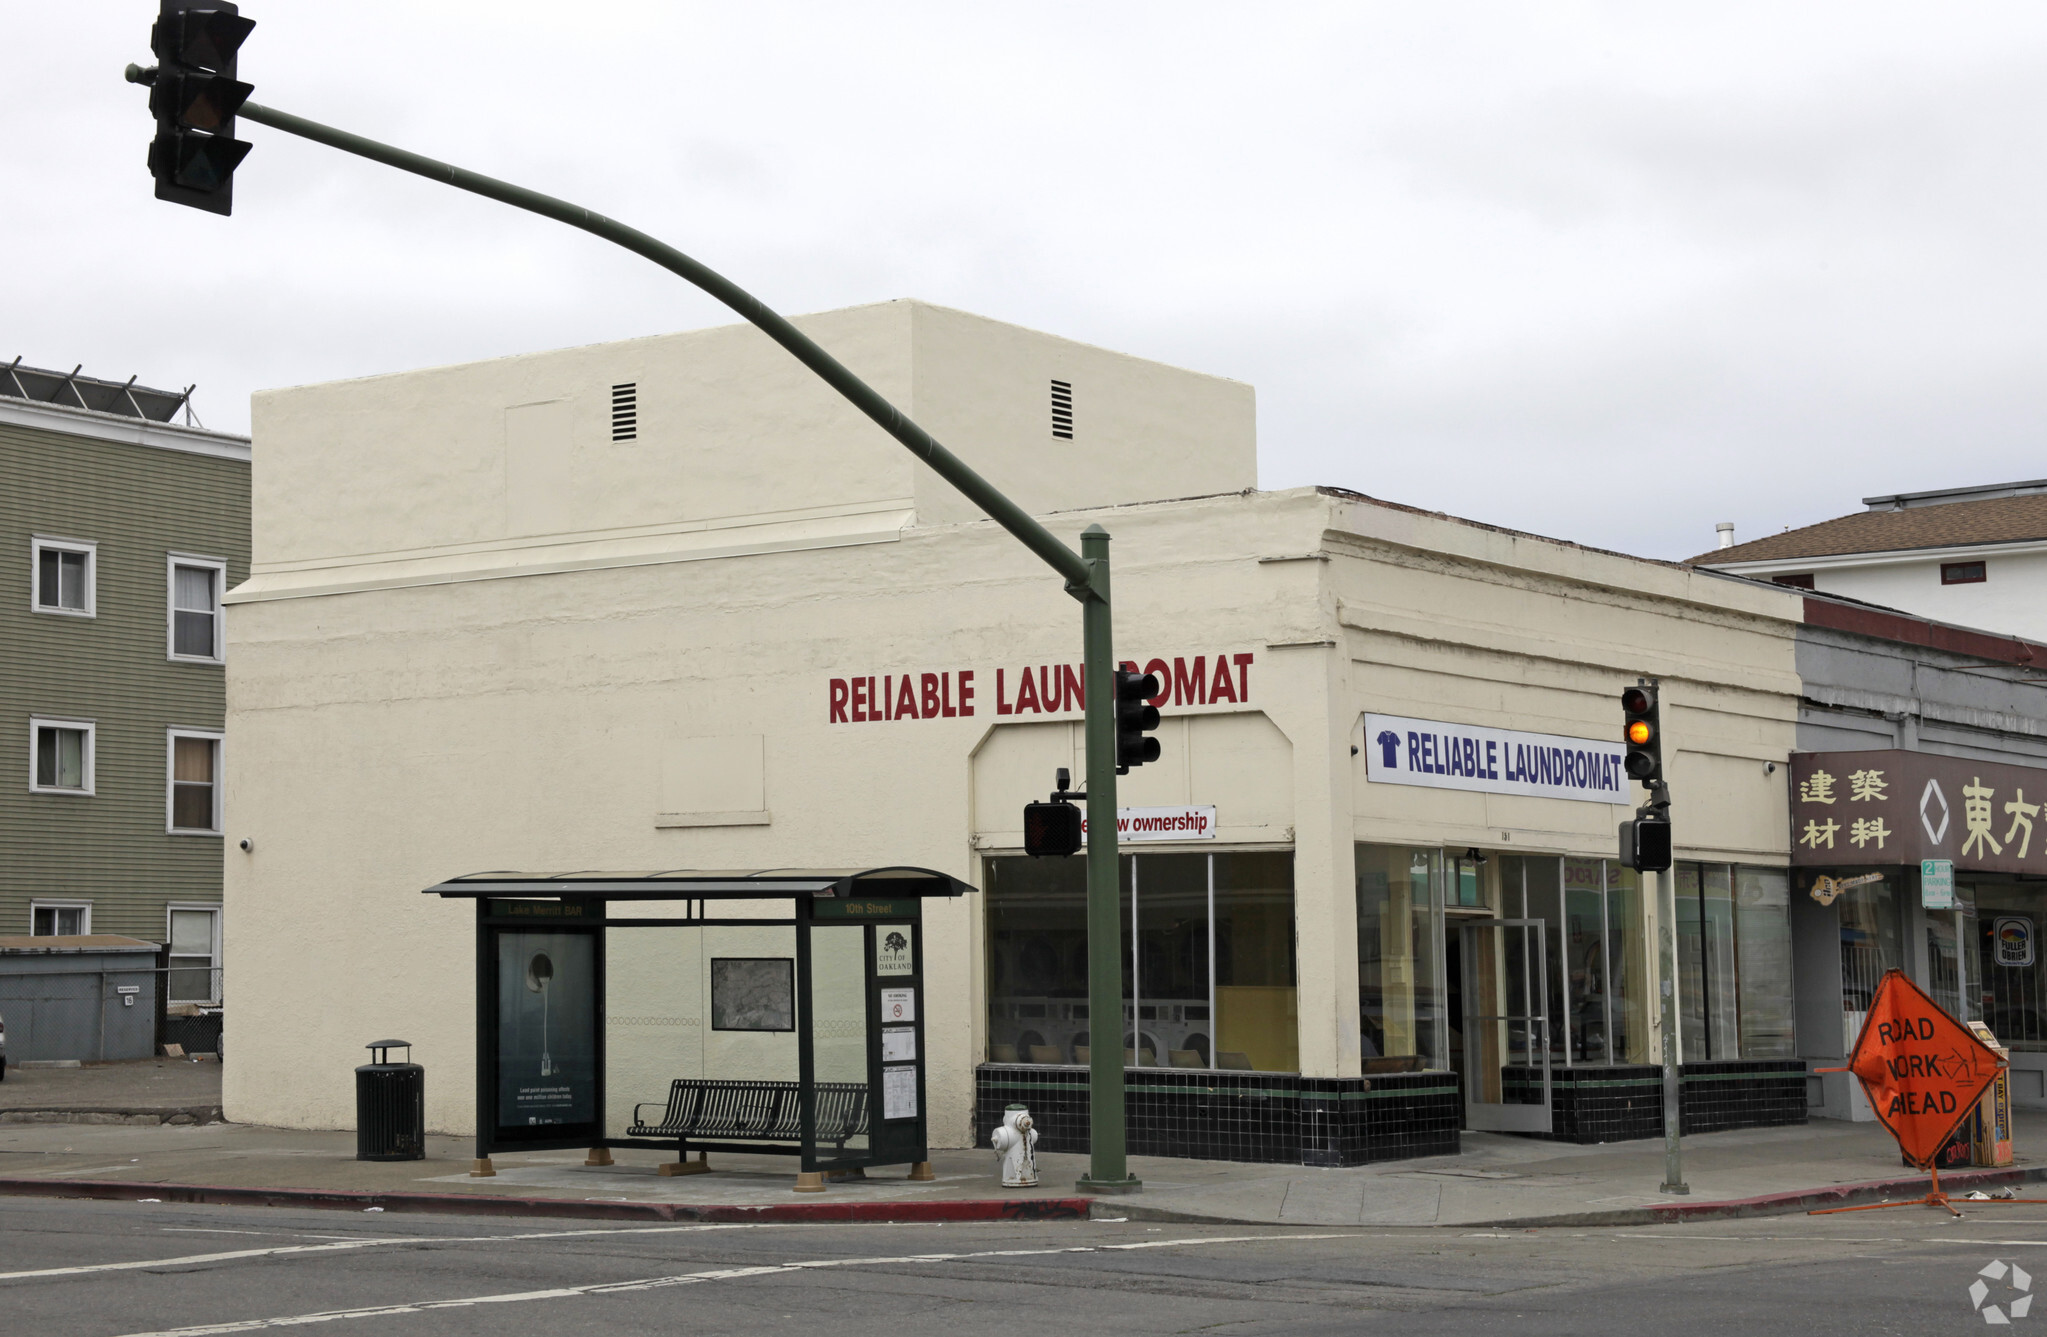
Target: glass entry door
pixel 1506 1026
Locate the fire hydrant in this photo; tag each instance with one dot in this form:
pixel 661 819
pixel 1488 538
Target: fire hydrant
pixel 1015 1142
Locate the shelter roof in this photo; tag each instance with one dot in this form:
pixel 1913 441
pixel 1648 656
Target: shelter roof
pixel 721 884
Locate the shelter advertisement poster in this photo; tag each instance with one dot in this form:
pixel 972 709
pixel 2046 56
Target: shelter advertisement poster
pixel 1922 1070
pixel 547 1031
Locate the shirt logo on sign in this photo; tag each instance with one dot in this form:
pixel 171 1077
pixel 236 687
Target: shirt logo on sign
pixel 1389 749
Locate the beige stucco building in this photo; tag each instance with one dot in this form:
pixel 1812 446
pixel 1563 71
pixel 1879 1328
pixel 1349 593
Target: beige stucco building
pixel 668 603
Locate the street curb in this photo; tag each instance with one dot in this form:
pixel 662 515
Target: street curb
pixel 480 1204
pixel 1782 1204
pixel 1671 1213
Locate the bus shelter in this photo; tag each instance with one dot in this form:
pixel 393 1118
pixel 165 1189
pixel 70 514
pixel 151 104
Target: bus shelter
pixel 777 1011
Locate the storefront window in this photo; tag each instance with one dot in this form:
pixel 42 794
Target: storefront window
pixel 1627 964
pixel 1037 959
pixel 1706 961
pixel 1762 930
pixel 1207 951
pixel 1168 975
pixel 1869 947
pixel 2008 918
pixel 1734 962
pixel 1400 1002
pixel 1582 938
pixel 1257 1007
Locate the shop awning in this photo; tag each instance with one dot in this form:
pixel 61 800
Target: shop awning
pixel 720 884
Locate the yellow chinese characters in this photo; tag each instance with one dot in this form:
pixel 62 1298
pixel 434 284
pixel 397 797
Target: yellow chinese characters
pixel 1867 787
pixel 1818 788
pixel 1976 798
pixel 1866 829
pixel 1818 834
pixel 2022 814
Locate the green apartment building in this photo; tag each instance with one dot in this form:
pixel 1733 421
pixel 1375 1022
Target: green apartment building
pixel 120 530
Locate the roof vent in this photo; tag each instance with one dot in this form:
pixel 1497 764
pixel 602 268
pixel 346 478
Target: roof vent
pixel 1726 531
pixel 625 411
pixel 1062 410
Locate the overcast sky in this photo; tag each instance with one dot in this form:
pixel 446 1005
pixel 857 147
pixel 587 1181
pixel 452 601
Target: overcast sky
pixel 1605 272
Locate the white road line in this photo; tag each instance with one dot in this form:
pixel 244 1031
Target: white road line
pixel 346 1244
pixel 692 1279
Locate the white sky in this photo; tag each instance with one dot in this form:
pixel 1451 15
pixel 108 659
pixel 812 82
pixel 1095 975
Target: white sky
pixel 1607 272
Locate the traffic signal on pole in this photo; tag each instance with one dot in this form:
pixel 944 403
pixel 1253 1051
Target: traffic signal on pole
pixel 1645 844
pixel 194 97
pixel 1642 730
pixel 1051 829
pixel 1136 717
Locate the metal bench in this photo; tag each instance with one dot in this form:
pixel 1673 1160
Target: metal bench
pixel 729 1115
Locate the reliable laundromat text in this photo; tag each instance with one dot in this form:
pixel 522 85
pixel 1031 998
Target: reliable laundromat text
pixel 1046 690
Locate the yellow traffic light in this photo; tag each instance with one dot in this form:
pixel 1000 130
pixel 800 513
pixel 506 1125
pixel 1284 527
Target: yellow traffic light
pixel 1639 732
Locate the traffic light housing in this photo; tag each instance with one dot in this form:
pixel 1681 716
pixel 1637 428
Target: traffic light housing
pixel 1136 717
pixel 1642 731
pixel 1051 829
pixel 1645 844
pixel 194 96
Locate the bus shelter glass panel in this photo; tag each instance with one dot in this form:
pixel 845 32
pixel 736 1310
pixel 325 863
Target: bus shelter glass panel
pixel 840 1037
pixel 654 1018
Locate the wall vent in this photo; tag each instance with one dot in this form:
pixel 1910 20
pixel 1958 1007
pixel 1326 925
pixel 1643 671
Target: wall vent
pixel 625 411
pixel 1062 409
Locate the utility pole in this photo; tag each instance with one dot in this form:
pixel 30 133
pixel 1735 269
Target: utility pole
pixel 1086 573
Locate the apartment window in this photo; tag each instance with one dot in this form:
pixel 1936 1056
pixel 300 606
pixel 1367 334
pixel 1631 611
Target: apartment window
pixel 64 572
pixel 1962 573
pixel 194 798
pixel 195 608
pixel 60 756
pixel 194 939
pixel 59 919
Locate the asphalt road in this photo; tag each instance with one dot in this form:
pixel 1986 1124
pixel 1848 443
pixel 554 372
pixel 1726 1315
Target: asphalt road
pixel 126 1268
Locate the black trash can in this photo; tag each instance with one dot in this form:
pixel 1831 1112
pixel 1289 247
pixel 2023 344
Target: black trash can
pixel 390 1106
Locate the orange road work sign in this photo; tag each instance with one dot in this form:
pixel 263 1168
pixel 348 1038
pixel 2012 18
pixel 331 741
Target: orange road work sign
pixel 1922 1070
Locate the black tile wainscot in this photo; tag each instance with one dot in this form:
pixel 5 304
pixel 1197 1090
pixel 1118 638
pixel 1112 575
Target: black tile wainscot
pixel 1624 1102
pixel 1237 1116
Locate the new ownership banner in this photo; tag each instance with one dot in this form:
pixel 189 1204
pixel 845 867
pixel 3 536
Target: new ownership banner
pixel 1135 824
pixel 1437 755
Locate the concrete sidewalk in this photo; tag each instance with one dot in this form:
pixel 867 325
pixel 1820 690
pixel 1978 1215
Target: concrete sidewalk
pixel 137 1091
pixel 1497 1179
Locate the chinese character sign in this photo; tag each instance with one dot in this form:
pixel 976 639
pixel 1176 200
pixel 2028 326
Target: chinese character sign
pixel 1897 807
pixel 1921 1069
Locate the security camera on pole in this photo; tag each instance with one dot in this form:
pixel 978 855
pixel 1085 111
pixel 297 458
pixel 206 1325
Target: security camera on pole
pixel 1645 847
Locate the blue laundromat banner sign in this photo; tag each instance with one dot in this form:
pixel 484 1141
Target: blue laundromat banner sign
pixel 1401 751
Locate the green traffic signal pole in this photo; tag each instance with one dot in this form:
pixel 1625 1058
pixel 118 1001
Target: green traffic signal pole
pixel 1086 575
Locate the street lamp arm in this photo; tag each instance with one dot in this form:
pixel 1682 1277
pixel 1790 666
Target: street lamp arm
pixel 1079 573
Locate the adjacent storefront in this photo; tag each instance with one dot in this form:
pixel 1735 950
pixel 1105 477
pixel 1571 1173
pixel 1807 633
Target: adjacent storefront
pixel 1933 865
